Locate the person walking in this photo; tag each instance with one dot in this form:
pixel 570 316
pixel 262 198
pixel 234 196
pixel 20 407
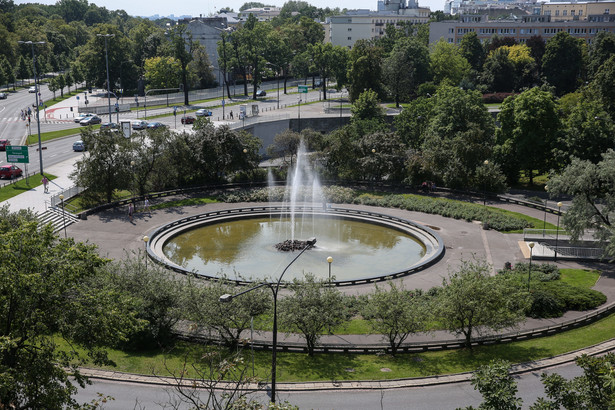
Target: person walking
pixel 45 182
pixel 146 206
pixel 231 114
pixel 131 211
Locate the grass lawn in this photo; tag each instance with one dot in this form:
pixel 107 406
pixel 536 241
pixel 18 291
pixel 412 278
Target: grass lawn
pixel 293 367
pixel 582 278
pixel 22 186
pixel 51 135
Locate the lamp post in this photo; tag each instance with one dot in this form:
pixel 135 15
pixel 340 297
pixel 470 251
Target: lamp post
pixel 559 212
pixel 341 99
pixel 299 115
pixel 330 260
pixel 63 216
pixel 274 289
pixel 544 220
pixel 106 36
pixel 145 241
pixel 38 122
pixel 529 271
pixel 485 162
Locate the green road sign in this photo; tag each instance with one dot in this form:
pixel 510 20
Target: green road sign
pixel 17 153
pixel 303 88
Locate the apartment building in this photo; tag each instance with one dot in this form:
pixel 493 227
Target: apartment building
pixel 520 29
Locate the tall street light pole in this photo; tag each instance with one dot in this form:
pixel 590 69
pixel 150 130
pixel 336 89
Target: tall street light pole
pixel 544 220
pixel 38 122
pixel 274 289
pixel 529 271
pixel 106 36
pixel 330 261
pixel 559 212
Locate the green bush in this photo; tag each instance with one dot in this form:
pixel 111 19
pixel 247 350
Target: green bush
pixel 545 305
pixel 552 299
pixel 336 194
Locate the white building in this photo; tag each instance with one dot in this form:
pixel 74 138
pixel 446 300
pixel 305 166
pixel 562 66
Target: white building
pixel 355 25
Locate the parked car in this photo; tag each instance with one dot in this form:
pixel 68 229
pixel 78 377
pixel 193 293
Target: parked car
pixel 83 117
pixel 188 120
pixel 317 84
pixel 3 96
pixel 10 171
pixel 261 93
pixel 79 146
pixel 154 125
pixel 32 89
pixel 94 119
pixel 139 124
pixel 109 126
pixel 3 144
pixel 203 113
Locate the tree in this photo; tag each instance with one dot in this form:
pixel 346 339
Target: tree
pixel 396 313
pixel 159 296
pixel 200 69
pixel 472 50
pixel 497 386
pixel 588 131
pixel 458 139
pixel 562 63
pixel 406 67
pixel 381 155
pixel 530 125
pixel 162 72
pixel 48 291
pixel 448 63
pixel 604 85
pixel 181 49
pixel 601 49
pixel 366 106
pixel 471 301
pixel 285 144
pixel 592 187
pixel 105 169
pixel 365 71
pixel 312 309
pixel 329 61
pixel 254 38
pixel 411 123
pixel 23 70
pixel 228 320
pixel 499 71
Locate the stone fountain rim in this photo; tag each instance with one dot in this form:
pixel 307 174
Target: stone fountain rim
pixel 434 246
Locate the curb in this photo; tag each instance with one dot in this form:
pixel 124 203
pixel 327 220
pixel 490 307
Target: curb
pixel 350 385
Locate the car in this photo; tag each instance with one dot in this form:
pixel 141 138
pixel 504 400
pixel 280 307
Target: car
pixel 109 126
pixel 10 171
pixel 154 125
pixel 261 93
pixel 94 119
pixel 203 113
pixel 79 146
pixel 139 125
pixel 3 144
pixel 188 120
pixel 32 89
pixel 3 96
pixel 317 84
pixel 81 117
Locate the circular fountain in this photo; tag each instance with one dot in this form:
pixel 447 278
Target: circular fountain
pixel 256 243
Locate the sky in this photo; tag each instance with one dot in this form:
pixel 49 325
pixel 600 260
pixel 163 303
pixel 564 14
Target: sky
pixel 205 7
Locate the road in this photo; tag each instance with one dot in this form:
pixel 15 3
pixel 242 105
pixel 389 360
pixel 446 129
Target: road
pixel 441 397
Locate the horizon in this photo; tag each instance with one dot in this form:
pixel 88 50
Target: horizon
pixel 194 8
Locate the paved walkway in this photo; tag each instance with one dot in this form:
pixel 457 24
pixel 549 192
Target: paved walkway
pixel 115 235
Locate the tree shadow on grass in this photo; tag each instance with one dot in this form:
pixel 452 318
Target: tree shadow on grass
pixel 318 367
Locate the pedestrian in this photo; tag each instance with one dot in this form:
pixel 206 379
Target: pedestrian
pixel 231 114
pixel 131 211
pixel 146 206
pixel 45 182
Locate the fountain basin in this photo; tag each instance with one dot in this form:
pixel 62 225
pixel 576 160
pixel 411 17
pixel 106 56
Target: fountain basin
pixel 239 244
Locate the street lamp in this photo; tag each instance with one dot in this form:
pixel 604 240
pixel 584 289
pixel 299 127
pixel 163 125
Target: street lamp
pixel 544 220
pixel 63 216
pixel 228 298
pixel 529 271
pixel 106 36
pixel 38 122
pixel 330 260
pixel 485 162
pixel 559 212
pixel 145 241
pixel 299 115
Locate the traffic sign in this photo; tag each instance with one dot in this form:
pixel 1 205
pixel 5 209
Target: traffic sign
pixel 17 153
pixel 303 89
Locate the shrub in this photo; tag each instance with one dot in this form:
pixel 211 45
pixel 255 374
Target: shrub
pixel 545 305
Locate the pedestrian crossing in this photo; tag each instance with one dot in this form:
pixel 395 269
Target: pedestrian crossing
pixel 43 120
